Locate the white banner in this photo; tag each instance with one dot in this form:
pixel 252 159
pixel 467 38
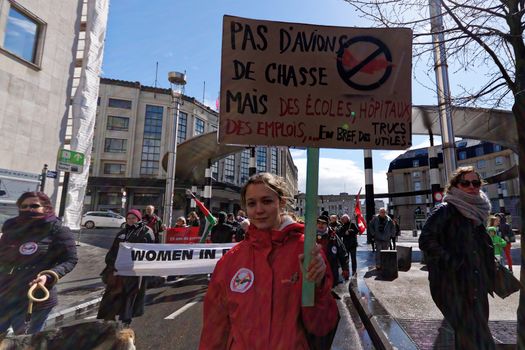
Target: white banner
pixel 142 259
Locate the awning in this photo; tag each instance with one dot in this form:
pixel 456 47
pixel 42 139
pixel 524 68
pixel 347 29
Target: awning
pixel 492 125
pixel 193 155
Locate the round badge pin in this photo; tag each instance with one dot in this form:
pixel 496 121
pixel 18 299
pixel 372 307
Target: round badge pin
pixel 242 280
pixel 28 248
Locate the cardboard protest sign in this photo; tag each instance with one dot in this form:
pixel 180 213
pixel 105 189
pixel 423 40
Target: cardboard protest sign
pixel 315 86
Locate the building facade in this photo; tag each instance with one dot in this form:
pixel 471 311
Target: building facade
pixel 38 43
pixel 131 137
pixel 410 172
pixel 337 204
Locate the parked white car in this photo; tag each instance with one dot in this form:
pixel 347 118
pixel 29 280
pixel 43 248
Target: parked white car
pixel 93 219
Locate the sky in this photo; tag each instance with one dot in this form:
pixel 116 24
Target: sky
pixel 186 35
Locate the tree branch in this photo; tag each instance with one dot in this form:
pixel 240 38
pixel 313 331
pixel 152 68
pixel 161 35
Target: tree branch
pixel 491 53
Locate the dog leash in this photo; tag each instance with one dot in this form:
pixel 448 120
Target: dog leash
pixel 42 287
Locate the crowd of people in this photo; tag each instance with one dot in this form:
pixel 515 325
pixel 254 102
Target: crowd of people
pixel 261 277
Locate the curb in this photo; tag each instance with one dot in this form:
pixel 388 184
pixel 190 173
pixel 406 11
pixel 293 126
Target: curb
pixel 384 330
pixel 57 319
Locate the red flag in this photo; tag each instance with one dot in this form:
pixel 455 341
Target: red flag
pixel 361 223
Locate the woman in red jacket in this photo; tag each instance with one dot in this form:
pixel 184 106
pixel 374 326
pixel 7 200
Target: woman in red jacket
pixel 254 297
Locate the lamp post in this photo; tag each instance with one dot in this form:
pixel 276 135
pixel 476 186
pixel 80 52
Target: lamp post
pixel 178 80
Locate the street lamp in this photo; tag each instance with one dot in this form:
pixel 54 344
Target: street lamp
pixel 177 80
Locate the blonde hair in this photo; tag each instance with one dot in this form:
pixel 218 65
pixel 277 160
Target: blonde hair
pixel 492 220
pixel 274 182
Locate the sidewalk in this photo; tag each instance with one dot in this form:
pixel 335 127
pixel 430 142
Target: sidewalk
pixel 80 291
pixel 403 315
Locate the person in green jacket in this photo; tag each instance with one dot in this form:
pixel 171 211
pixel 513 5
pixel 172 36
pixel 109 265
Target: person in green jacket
pixel 498 242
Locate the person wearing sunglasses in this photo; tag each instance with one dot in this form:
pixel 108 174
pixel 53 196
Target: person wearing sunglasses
pixel 32 242
pixel 460 259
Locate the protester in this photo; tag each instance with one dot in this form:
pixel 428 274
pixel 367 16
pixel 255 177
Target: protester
pixel 382 229
pixel 32 242
pixel 333 248
pixel 460 259
pixel 241 216
pixel 397 233
pixel 222 232
pixel 153 222
pixel 124 295
pixel 254 297
pixel 193 219
pixel 334 223
pixel 181 222
pixel 498 243
pixel 230 219
pixel 506 233
pixel 241 230
pixel 348 233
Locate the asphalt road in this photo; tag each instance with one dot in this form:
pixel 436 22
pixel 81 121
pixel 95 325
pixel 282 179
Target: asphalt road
pixel 99 237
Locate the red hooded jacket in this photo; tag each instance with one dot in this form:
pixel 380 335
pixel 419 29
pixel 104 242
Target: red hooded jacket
pixel 254 297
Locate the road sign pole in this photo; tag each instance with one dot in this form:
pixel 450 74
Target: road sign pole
pixel 43 179
pixel 63 196
pixel 312 184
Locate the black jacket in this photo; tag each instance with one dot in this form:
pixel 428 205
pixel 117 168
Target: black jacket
pixel 348 233
pixel 28 247
pixel 460 260
pixel 222 233
pixel 128 300
pixel 335 252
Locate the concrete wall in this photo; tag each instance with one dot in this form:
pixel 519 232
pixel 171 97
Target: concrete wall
pixel 34 98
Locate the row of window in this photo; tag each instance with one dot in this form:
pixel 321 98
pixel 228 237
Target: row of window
pixel 499 160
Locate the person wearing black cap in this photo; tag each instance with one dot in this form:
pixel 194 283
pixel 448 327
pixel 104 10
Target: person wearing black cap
pixel 124 295
pixel 334 249
pixel 222 232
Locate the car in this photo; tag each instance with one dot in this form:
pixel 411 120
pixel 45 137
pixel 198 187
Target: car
pixel 93 219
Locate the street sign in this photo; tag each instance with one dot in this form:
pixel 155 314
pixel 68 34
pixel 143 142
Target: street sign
pixel 52 174
pixel 70 161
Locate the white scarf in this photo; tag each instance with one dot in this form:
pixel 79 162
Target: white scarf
pixel 474 207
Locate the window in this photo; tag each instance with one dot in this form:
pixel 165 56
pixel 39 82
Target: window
pixel 215 170
pixel 114 169
pixel 199 126
pixel 115 145
pixel 245 165
pixel 117 123
pixel 416 174
pixel 274 161
pixel 149 164
pixel 417 185
pixel 499 160
pixel 462 155
pixel 496 147
pixel 110 198
pixel 23 34
pixel 182 127
pixel 415 163
pixel 229 168
pixel 479 151
pixel 118 103
pixel 419 199
pixel 261 159
pixel 146 199
pixel 481 163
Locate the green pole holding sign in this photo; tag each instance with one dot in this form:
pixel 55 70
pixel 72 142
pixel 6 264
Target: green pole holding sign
pixel 312 184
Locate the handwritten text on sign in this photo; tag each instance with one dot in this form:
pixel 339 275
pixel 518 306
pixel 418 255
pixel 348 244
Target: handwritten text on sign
pixel 304 85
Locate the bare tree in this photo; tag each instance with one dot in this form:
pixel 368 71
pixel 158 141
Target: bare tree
pixel 481 36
